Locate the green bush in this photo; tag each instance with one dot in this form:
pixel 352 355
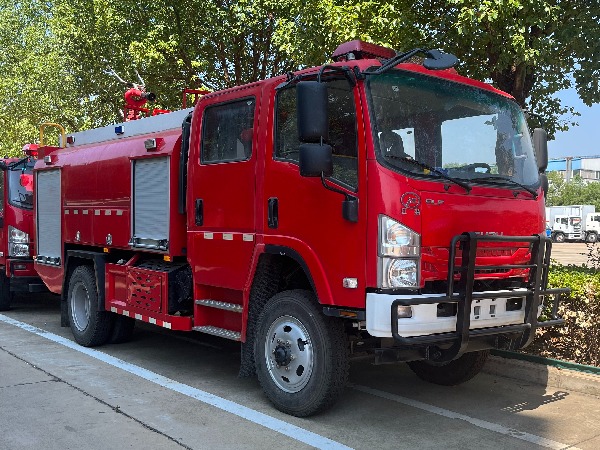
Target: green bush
pixel 579 339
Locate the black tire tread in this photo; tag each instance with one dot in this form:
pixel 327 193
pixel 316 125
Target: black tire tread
pixel 265 286
pixel 333 377
pixel 452 373
pixel 101 322
pixel 6 295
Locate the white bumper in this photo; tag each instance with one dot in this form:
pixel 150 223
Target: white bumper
pixel 424 318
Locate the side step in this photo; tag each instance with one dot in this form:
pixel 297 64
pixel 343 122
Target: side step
pixel 221 332
pixel 220 305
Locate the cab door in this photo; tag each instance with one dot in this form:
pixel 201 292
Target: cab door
pixel 309 219
pixel 221 200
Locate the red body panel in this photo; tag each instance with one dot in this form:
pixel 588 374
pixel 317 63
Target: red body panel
pixel 442 214
pixel 97 191
pixel 96 183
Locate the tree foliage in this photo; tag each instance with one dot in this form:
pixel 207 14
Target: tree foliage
pixel 56 53
pixel 574 192
pixel 529 48
pixel 34 86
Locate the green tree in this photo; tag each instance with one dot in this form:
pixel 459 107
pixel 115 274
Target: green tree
pixel 528 48
pixel 34 86
pixel 575 192
pixel 173 44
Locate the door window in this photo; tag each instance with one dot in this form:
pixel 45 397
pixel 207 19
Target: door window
pixel 342 130
pixel 228 132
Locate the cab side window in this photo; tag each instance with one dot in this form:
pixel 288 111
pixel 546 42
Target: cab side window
pixel 342 130
pixel 227 132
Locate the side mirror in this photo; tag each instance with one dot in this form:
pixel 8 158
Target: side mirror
pixel 545 184
pixel 315 159
pixel 437 60
pixel 311 97
pixel 540 144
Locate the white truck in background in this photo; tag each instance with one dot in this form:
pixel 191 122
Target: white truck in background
pixel 573 223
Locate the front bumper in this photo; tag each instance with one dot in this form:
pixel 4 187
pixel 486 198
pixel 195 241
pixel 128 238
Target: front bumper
pixel 448 337
pixel 23 276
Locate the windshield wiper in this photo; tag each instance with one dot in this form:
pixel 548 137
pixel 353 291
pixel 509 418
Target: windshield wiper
pixel 424 166
pixel 533 193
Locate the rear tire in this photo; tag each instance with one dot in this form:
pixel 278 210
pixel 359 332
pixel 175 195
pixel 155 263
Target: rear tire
pixel 453 372
pixel 90 326
pixel 300 354
pixel 6 295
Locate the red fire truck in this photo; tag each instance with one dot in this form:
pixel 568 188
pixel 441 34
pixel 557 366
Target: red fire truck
pixel 380 204
pixel 16 228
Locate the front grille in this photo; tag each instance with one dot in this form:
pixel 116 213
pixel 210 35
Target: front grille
pixel 495 252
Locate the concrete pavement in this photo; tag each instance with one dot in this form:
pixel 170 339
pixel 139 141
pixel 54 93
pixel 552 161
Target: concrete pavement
pixel 75 400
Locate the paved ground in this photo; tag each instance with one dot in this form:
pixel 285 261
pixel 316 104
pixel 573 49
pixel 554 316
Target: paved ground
pixel 174 390
pixel 573 252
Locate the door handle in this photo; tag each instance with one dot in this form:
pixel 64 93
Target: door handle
pixel 199 212
pixel 273 218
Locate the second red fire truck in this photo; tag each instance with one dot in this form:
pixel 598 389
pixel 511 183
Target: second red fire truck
pixel 380 204
pixel 17 273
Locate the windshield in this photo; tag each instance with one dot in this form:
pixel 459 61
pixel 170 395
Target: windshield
pixel 459 130
pixel 20 187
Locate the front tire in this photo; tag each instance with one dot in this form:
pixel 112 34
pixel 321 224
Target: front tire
pixel 300 354
pixel 591 238
pixel 89 325
pixel 559 237
pixel 6 295
pixel 453 372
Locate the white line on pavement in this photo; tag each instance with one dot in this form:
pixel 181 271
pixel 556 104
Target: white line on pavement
pixel 277 425
pixel 477 422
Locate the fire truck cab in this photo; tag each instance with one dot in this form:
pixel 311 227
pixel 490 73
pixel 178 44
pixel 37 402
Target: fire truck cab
pixel 16 228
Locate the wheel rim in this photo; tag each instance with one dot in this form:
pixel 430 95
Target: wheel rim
pixel 560 238
pixel 80 306
pixel 289 354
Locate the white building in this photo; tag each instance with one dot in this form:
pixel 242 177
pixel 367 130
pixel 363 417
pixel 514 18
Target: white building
pixel 586 167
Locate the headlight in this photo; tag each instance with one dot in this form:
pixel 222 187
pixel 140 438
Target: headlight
pixel 16 235
pixel 399 255
pixel 397 240
pixel 400 273
pixel 18 242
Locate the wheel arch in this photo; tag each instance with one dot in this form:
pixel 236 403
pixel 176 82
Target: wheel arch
pixel 277 268
pixel 75 258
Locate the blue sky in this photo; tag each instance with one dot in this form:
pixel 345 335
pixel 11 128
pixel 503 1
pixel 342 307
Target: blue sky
pixel 580 140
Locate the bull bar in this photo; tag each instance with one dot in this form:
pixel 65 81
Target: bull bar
pixel 461 292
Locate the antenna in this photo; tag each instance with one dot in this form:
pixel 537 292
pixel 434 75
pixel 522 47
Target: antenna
pixel 139 77
pixel 112 72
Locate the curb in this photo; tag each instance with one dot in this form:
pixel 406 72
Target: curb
pixel 543 374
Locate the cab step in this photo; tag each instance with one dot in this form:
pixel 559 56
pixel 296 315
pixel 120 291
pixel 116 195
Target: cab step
pixel 220 305
pixel 221 332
